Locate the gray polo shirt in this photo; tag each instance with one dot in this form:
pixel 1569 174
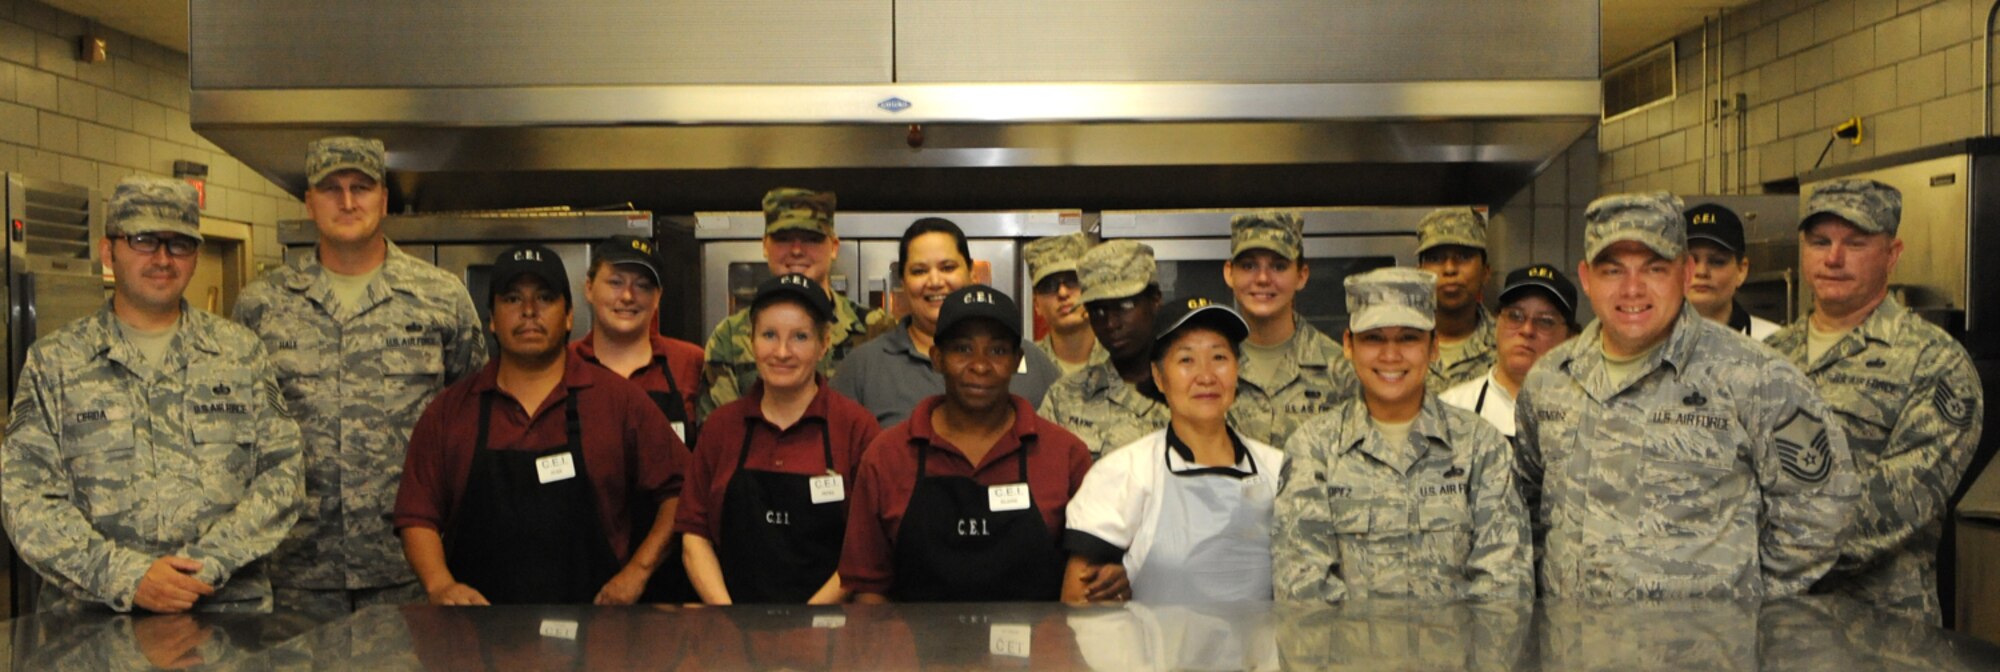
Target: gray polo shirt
pixel 888 376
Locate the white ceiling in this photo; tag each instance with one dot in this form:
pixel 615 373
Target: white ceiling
pixel 1629 26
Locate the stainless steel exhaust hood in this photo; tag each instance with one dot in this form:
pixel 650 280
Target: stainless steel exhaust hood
pixel 908 103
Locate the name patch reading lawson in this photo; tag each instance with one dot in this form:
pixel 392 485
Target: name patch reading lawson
pixel 1688 420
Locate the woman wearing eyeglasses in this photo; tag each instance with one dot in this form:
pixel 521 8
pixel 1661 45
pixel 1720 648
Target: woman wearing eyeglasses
pixel 1537 313
pixel 1187 509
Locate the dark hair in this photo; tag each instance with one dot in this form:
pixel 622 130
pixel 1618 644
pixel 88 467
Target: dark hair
pixel 931 225
pixel 1161 347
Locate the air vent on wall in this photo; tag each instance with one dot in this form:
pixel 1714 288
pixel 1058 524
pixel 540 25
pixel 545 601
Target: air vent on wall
pixel 58 224
pixel 1640 83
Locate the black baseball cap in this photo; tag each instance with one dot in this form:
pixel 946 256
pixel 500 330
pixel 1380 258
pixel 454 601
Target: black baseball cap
pixel 794 287
pixel 621 250
pixel 540 261
pixel 1545 278
pixel 979 301
pixel 1198 311
pixel 1716 224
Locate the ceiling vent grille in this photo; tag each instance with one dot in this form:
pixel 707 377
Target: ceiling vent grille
pixel 1640 83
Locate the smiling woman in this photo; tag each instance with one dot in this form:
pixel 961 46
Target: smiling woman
pixel 892 373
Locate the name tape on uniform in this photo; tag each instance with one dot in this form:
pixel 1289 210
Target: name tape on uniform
pixel 828 488
pixel 1009 497
pixel 559 467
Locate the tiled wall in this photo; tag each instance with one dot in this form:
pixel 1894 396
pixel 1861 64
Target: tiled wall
pixel 1544 222
pixel 1908 68
pixel 93 124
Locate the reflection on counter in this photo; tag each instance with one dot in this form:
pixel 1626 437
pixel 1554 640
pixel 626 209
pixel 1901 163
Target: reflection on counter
pixel 1796 634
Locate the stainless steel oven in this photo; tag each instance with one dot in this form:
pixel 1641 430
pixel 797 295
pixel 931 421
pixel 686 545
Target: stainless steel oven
pixel 1193 245
pixel 732 254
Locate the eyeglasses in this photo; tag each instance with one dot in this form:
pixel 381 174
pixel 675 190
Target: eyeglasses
pixel 1513 318
pixel 1051 284
pixel 148 243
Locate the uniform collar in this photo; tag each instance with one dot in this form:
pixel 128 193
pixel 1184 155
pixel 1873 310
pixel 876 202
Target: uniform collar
pixel 816 409
pixel 897 341
pixel 1027 427
pixel 1884 325
pixel 1583 358
pixel 1356 427
pixel 1243 467
pixel 577 374
pixel 1101 381
pixel 104 332
pixel 1739 319
pixel 395 276
pixel 1303 337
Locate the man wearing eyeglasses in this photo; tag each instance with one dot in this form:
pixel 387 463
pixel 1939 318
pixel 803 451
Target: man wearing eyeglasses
pixel 1537 313
pixel 1104 403
pixel 149 464
pixel 362 336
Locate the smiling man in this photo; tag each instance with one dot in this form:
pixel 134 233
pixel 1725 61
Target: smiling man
pixel 1663 456
pixel 1906 393
pixel 1104 404
pixel 798 238
pixel 1451 242
pixel 1059 304
pixel 149 464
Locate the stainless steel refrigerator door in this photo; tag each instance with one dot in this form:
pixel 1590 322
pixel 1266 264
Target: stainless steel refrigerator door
pixel 1193 267
pixel 731 270
pixel 996 262
pixel 473 264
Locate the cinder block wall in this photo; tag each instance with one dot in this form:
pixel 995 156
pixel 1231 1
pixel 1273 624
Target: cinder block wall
pixel 93 124
pixel 1908 68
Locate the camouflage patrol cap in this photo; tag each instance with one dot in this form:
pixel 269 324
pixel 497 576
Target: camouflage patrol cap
pixel 1116 269
pixel 148 204
pixel 1451 226
pixel 1391 297
pixel 1652 219
pixel 327 156
pixel 788 208
pixel 1280 232
pixel 1052 255
pixel 1869 205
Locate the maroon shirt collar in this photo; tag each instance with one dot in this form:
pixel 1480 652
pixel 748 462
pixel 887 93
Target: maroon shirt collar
pixel 1027 426
pixel 577 374
pixel 816 409
pixel 586 347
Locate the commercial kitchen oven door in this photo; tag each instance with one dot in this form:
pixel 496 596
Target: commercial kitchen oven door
pixel 1193 267
pixel 732 269
pixel 996 262
pixel 474 265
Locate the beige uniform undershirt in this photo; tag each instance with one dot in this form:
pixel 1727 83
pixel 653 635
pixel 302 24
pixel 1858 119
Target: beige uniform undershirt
pixel 1260 362
pixel 1397 434
pixel 1452 351
pixel 1622 368
pixel 151 343
pixel 1818 342
pixel 349 289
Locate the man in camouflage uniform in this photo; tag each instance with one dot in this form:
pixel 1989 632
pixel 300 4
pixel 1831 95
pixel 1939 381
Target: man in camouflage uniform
pixel 1451 242
pixel 1662 455
pixel 362 336
pixel 1052 275
pixel 1396 494
pixel 149 463
pixel 1903 389
pixel 1290 371
pixel 798 238
pixel 1103 404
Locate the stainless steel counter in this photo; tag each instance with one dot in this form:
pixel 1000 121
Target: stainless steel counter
pixel 1807 634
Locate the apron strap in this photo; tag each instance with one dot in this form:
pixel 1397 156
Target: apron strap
pixel 826 443
pixel 1480 405
pixel 485 418
pixel 743 454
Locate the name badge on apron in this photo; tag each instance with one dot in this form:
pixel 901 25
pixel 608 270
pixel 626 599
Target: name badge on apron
pixel 559 467
pixel 828 488
pixel 681 431
pixel 1009 497
pixel 1009 640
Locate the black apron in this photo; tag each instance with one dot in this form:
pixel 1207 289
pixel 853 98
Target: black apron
pixel 674 404
pixel 669 582
pixel 520 541
pixel 952 547
pixel 775 544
